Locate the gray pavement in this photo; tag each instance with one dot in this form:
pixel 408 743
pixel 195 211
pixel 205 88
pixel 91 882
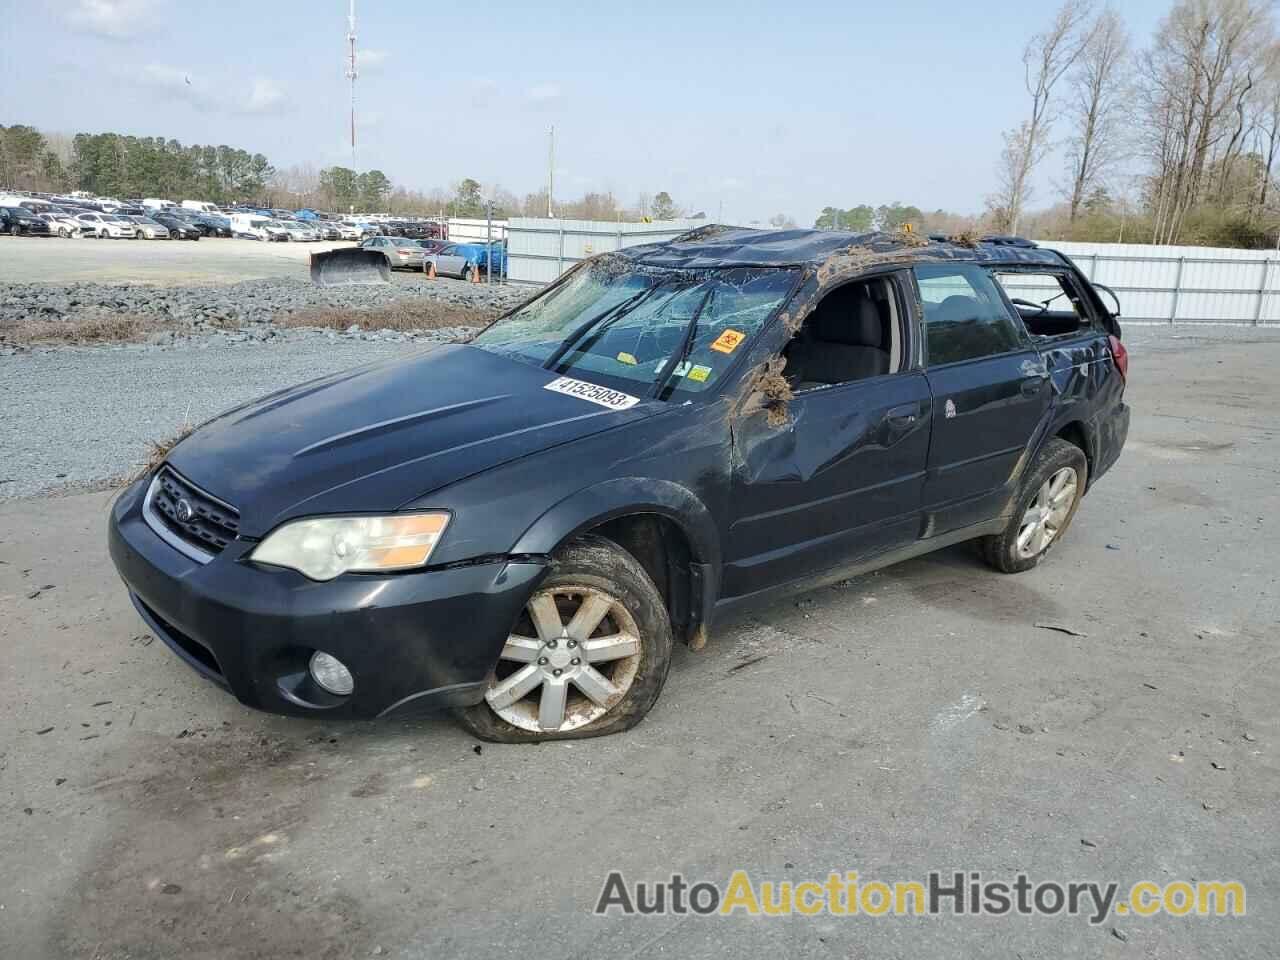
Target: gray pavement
pixel 211 260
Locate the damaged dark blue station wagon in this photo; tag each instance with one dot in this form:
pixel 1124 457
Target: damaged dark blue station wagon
pixel 521 527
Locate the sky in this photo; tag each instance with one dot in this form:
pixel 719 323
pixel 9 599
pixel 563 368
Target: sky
pixel 737 108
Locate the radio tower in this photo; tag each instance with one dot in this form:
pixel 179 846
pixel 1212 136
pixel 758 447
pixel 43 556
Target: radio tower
pixel 351 75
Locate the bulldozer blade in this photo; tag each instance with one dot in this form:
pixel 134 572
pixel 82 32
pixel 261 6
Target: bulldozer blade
pixel 349 267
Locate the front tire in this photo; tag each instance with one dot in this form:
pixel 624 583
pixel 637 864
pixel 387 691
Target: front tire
pixel 587 657
pixel 1051 494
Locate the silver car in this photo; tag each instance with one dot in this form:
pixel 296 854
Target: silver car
pixel 325 229
pixel 150 229
pixel 106 226
pixel 450 263
pixel 299 231
pixel 399 251
pixel 62 223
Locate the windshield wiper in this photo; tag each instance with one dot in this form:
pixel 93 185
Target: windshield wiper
pixel 686 344
pixel 614 311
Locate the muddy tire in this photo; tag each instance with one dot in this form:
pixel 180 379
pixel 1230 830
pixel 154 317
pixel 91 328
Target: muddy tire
pixel 1051 494
pixel 587 657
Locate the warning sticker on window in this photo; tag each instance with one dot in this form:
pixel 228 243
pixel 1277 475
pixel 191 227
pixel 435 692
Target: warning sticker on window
pixel 593 392
pixel 700 374
pixel 728 341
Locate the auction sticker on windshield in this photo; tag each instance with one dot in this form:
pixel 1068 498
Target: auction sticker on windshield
pixel 613 399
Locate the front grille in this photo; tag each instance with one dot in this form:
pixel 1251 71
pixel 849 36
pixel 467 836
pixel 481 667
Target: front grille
pixel 211 524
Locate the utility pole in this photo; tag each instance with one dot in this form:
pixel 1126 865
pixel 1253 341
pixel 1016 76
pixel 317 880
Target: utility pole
pixel 551 169
pixel 351 75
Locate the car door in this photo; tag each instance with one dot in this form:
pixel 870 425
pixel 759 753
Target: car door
pixel 840 481
pixel 991 393
pixel 450 262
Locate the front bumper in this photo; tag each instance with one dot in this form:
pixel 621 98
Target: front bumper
pixel 413 641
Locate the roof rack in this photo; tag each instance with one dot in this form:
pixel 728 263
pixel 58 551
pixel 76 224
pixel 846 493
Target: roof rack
pixel 1009 241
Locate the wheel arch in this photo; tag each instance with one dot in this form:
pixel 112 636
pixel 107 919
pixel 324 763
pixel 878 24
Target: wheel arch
pixel 664 525
pixel 1077 432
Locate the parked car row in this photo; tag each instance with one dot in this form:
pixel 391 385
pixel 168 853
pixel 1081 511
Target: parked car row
pixel 62 217
pixel 418 244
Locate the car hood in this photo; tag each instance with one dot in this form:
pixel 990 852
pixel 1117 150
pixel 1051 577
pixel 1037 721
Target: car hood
pixel 377 437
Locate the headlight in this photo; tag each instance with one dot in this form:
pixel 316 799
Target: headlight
pixel 326 547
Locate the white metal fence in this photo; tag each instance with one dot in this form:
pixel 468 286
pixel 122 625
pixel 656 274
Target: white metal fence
pixel 476 230
pixel 1154 284
pixel 538 250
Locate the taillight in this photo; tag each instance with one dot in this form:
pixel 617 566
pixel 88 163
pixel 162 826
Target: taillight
pixel 1121 356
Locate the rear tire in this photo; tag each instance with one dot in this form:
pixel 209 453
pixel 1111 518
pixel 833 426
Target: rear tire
pixel 1051 494
pixel 590 572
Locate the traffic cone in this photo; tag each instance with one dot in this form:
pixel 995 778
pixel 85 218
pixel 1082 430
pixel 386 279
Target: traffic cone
pixel 430 270
pixel 475 273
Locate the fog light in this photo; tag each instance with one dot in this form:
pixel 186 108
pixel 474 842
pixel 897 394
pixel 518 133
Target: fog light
pixel 332 674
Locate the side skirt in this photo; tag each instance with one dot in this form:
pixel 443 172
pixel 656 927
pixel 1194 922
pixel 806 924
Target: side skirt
pixel 858 567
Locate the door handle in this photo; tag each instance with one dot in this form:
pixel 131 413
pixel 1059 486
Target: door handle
pixel 903 416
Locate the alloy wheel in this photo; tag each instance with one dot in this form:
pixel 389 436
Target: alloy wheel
pixel 1048 511
pixel 572 656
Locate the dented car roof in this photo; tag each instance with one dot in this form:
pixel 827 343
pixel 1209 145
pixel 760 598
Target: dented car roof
pixel 716 245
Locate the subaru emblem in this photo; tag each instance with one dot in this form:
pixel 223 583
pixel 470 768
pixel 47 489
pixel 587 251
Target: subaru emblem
pixel 184 511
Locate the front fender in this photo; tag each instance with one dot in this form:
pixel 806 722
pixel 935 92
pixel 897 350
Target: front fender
pixel 619 497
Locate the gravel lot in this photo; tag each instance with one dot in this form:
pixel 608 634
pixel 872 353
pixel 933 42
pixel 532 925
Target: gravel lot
pixel 906 721
pixel 193 311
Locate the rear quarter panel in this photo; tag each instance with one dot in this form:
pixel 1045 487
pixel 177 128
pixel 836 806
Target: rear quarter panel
pixel 1088 391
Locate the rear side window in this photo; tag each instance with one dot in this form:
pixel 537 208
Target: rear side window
pixel 964 316
pixel 1049 304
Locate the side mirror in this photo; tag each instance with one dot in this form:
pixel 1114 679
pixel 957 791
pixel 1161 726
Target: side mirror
pixel 1102 288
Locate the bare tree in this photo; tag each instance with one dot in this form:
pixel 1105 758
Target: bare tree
pixel 1197 84
pixel 1098 86
pixel 1268 124
pixel 1047 58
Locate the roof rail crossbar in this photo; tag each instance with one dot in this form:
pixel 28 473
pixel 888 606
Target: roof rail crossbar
pixel 1002 241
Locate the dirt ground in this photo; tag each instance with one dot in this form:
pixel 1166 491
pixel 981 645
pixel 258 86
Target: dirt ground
pixel 907 721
